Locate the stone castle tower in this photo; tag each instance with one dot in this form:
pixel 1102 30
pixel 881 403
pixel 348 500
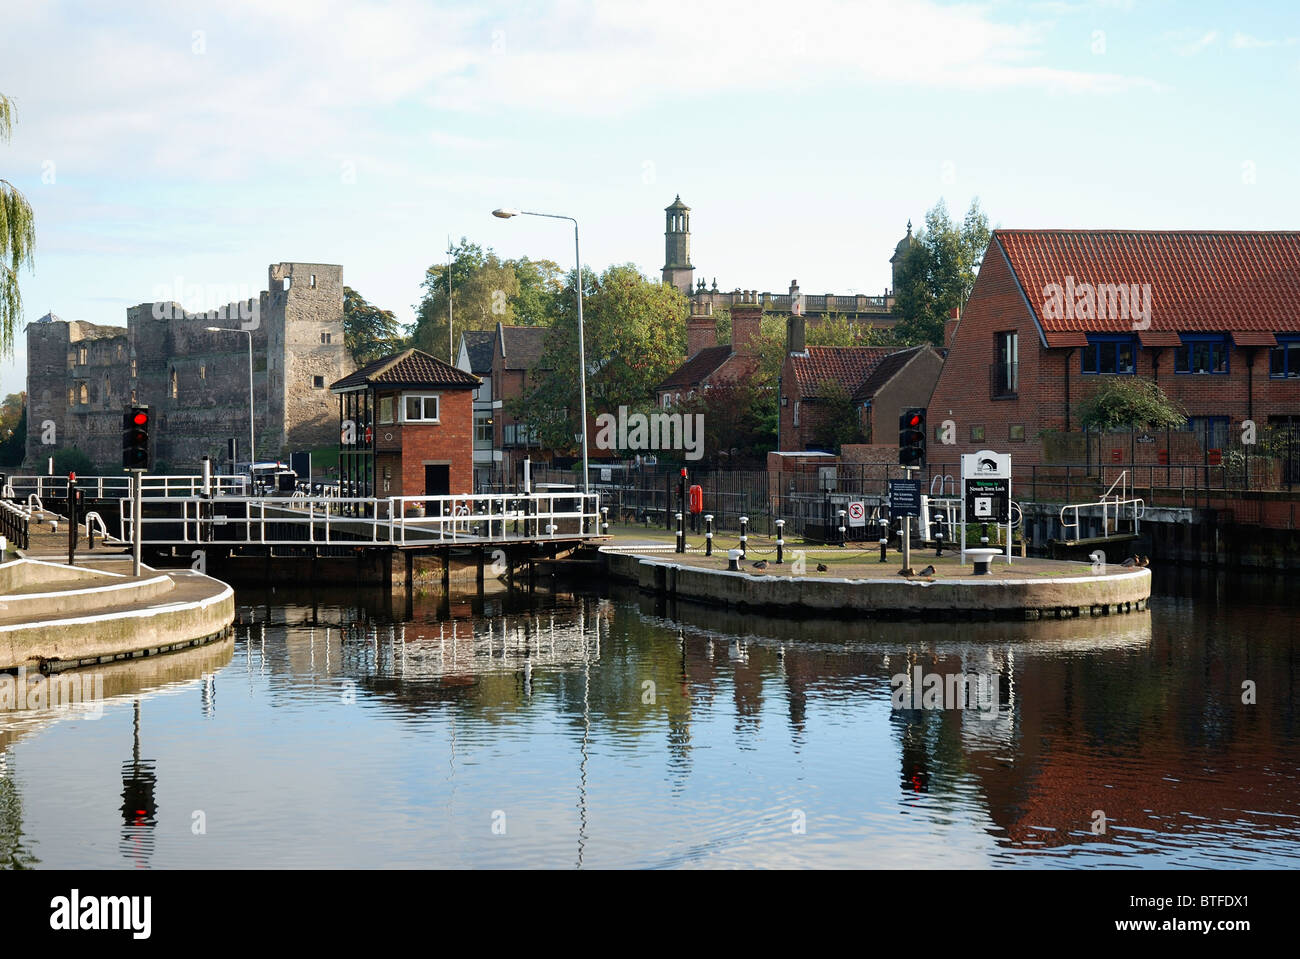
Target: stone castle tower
pixel 678 270
pixel 80 376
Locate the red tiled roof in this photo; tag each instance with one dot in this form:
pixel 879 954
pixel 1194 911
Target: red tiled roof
pixel 884 372
pixel 409 368
pixel 847 365
pixel 697 369
pixel 1200 281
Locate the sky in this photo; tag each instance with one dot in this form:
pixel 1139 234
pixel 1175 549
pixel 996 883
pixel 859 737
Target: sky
pixel 173 150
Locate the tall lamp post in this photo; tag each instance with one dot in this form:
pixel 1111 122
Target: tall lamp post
pixel 506 214
pixel 252 444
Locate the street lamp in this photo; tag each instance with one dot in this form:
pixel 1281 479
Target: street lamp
pixel 252 443
pixel 506 213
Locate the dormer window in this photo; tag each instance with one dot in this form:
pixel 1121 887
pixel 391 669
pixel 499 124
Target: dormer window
pixel 1202 354
pixel 1109 354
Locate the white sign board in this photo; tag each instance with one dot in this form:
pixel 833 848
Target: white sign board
pixel 857 514
pixel 986 464
pixel 606 475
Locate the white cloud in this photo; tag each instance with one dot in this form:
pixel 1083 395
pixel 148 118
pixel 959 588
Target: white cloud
pixel 1244 41
pixel 1191 49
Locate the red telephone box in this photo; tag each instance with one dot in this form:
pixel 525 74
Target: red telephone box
pixel 697 499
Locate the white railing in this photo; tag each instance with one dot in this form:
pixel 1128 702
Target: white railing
pixel 1112 511
pixel 117 487
pixel 358 521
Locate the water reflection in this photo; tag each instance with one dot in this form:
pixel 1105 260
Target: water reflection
pixel 569 729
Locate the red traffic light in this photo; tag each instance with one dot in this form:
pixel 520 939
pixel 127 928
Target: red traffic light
pixel 140 419
pixel 914 420
pixel 683 470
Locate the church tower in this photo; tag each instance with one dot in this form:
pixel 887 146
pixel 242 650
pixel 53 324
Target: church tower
pixel 677 246
pixel 900 252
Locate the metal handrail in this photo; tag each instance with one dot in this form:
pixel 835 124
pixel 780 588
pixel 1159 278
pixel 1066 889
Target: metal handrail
pixel 1138 504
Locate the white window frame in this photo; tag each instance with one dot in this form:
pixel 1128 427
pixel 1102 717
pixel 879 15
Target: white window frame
pixel 424 398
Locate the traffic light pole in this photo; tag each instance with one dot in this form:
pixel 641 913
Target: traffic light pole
pixel 907 534
pixel 137 514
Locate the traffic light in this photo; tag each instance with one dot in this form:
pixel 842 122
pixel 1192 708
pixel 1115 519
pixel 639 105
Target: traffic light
pixel 135 438
pixel 911 438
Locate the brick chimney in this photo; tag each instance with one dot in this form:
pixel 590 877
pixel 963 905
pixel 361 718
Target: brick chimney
pixel 746 317
pixel 950 326
pixel 795 339
pixel 701 329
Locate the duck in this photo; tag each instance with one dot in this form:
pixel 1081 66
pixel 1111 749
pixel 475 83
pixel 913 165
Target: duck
pixel 822 567
pixel 761 564
pixel 928 571
pixel 1130 562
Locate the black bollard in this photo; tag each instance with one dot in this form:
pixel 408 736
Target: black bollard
pixel 708 534
pixel 681 534
pixel 842 537
pixel 744 536
pixel 604 520
pixel 780 541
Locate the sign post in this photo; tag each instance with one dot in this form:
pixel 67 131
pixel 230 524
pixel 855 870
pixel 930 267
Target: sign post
pixel 986 492
pixel 905 501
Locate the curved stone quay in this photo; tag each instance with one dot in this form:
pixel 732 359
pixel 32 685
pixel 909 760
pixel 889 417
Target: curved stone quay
pixel 855 585
pixel 55 617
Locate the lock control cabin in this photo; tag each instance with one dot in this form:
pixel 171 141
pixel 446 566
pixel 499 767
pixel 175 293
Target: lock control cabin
pixel 406 427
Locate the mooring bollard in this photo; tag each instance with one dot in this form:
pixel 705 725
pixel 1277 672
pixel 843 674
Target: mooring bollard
pixel 780 541
pixel 842 538
pixel 884 537
pixel 734 557
pixel 681 534
pixel 744 535
pixel 604 520
pixel 708 534
pixel 938 543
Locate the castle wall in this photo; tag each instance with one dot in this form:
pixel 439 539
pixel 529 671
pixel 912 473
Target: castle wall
pixel 195 381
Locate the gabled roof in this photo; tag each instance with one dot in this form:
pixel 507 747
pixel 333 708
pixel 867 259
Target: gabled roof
pixel 847 365
pixel 1242 282
pixel 884 372
pixel 410 368
pixel 478 346
pixel 521 346
pixel 696 369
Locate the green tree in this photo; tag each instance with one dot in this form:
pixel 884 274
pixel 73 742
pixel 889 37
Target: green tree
pixel 1130 403
pixel 485 290
pixel 634 333
pixel 738 432
pixel 13 429
pixel 17 238
pixel 368 331
pixel 73 460
pixel 938 273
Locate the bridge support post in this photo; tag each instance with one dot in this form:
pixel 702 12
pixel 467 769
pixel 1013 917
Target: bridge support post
pixel 409 578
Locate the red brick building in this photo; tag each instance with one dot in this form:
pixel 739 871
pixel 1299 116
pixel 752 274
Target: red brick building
pixel 707 363
pixel 1212 317
pixel 407 427
pixel 881 381
pixel 516 364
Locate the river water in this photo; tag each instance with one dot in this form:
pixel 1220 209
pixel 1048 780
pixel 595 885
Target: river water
pixel 572 729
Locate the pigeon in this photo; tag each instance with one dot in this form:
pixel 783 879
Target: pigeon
pixel 928 571
pixel 822 567
pixel 761 564
pixel 1130 562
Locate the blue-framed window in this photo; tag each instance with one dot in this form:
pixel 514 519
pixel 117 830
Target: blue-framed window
pixel 1284 359
pixel 1202 354
pixel 1109 354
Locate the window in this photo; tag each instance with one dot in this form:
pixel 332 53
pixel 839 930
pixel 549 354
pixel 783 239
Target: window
pixel 133 373
pixel 1109 354
pixel 85 394
pixel 313 281
pixel 483 430
pixel 1202 354
pixel 421 409
pixel 1006 365
pixel 1284 359
pixel 385 409
pixel 796 412
pixel 108 388
pixel 203 371
pixel 977 434
pixel 1016 432
pixel 175 385
pixel 318 382
pixel 1212 431
pixel 83 355
pixel 325 338
pixel 668 400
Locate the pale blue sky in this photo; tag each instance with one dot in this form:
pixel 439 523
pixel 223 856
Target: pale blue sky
pixel 165 142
